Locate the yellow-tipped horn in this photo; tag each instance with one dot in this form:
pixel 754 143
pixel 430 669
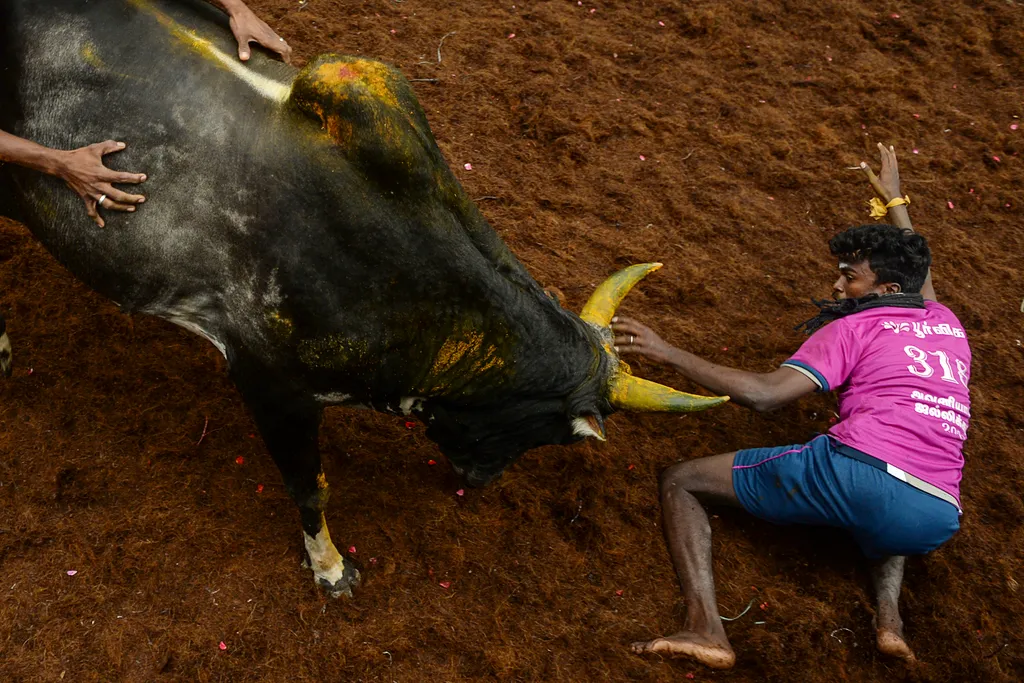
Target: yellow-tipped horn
pixel 627 392
pixel 610 293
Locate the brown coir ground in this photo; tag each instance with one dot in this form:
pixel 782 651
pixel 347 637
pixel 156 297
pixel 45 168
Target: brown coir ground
pixel 713 136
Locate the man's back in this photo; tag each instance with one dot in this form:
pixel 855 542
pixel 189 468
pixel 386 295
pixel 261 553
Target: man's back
pixel 902 376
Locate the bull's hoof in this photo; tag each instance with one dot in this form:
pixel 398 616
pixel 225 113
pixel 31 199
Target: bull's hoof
pixel 350 579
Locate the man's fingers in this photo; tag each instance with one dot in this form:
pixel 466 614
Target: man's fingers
pixel 110 205
pixel 117 195
pixel 119 177
pixel 109 146
pixel 90 208
pixel 285 50
pixel 873 179
pixel 243 48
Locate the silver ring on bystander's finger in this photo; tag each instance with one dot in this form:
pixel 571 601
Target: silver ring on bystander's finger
pixel 99 202
pixel 631 338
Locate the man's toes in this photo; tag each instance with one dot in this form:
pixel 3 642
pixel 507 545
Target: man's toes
pixel 641 646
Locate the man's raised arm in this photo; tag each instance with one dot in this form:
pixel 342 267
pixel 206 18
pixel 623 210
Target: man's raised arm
pixel 887 186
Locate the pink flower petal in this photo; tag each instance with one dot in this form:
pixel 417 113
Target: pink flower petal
pixel 949 204
pixel 618 593
pixel 661 23
pixel 1014 126
pixel 351 550
pixel 431 462
pixel 995 158
pixel 445 584
pixel 468 167
pixel 511 36
pixel 917 116
pixel 894 15
pixel 643 158
pixel 460 492
pixel 914 150
pixel 373 561
pixel 72 572
pixel 259 488
pixel 222 645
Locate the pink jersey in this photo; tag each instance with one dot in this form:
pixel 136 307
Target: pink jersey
pixel 902 376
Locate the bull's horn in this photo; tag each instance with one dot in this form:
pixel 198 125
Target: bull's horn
pixel 610 293
pixel 627 392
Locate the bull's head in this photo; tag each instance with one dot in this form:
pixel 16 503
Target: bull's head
pixel 626 392
pixel 481 439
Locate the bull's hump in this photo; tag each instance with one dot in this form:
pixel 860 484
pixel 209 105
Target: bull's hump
pixel 369 111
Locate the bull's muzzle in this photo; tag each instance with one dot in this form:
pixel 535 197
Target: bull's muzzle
pixel 625 391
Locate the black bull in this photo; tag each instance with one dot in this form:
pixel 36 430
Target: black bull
pixel 307 225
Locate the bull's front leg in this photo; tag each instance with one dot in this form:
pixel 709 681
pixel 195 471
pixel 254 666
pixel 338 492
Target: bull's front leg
pixel 290 425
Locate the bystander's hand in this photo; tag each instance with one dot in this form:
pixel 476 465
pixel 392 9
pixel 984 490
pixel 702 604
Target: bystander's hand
pixel 83 170
pixel 248 28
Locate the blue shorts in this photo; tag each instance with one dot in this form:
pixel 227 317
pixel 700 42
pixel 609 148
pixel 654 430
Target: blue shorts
pixel 812 483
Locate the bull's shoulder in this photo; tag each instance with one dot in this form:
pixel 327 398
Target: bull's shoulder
pixel 370 112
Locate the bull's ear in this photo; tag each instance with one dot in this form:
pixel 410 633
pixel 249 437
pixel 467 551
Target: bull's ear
pixel 590 425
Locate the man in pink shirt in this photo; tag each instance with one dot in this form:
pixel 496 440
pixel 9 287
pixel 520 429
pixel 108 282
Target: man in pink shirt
pixel 888 471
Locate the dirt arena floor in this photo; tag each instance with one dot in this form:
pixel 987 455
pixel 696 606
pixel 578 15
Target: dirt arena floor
pixel 713 136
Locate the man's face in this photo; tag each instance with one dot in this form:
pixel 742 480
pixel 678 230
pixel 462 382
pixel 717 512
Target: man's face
pixel 857 280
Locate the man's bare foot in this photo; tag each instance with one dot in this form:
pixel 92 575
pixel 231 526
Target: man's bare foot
pixel 710 653
pixel 891 642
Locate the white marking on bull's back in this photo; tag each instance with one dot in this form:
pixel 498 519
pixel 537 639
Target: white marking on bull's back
pixel 325 558
pixel 267 87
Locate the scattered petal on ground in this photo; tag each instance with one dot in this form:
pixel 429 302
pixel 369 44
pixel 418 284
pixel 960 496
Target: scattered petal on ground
pixel 239 460
pixel 222 645
pixel 445 584
pixel 72 572
pixel 468 167
pixel 460 492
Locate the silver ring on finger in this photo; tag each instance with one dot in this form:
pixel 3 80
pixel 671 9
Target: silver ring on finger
pixel 99 202
pixel 631 338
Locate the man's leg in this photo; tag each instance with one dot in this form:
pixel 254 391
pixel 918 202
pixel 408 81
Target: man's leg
pixel 688 533
pixel 887 577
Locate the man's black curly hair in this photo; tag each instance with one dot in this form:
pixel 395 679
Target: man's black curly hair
pixel 894 254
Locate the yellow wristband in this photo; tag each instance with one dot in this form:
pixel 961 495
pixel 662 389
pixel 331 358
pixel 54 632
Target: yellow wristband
pixel 878 209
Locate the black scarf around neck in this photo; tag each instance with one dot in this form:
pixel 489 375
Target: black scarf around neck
pixel 833 310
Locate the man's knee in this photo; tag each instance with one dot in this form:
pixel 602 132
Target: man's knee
pixel 682 475
pixel 709 479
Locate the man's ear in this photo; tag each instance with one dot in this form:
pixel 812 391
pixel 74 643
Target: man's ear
pixel 892 288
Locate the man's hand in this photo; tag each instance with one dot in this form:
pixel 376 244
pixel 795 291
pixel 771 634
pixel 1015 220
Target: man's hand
pixel 887 182
pixel 249 28
pixel 84 172
pixel 634 337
